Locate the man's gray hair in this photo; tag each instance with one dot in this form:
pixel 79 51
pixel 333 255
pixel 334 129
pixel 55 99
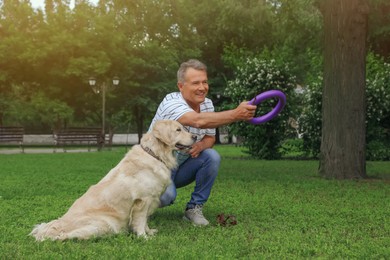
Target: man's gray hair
pixel 193 63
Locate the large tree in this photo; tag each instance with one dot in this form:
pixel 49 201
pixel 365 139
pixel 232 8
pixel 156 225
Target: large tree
pixel 343 103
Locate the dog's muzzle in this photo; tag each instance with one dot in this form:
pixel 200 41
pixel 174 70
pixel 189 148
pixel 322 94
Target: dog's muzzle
pixel 183 147
pixel 186 147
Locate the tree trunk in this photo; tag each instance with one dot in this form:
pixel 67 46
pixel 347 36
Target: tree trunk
pixel 343 102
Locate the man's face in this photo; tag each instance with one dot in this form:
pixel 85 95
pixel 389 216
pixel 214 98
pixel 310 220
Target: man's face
pixel 195 88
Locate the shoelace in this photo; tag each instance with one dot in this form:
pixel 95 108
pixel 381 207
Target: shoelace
pixel 198 210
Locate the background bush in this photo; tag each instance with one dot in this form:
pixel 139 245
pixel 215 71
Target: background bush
pixel 310 121
pixel 252 77
pixel 378 108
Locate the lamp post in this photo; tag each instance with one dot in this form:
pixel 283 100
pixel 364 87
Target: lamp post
pixel 103 88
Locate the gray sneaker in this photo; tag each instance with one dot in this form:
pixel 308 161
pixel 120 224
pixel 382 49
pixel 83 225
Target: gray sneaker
pixel 195 215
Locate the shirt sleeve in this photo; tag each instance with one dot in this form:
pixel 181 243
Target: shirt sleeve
pixel 173 109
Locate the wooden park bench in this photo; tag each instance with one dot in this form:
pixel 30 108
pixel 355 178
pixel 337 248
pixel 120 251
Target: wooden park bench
pixel 12 135
pixel 78 136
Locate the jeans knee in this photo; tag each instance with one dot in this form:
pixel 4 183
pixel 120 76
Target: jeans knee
pixel 213 161
pixel 213 156
pixel 169 196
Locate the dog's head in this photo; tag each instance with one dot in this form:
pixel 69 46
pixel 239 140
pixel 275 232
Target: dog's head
pixel 173 134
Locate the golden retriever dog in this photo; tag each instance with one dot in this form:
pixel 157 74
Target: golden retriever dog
pixel 128 194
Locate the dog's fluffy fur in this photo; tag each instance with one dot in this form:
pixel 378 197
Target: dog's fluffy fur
pixel 128 194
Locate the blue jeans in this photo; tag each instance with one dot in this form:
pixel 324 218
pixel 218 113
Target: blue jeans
pixel 203 170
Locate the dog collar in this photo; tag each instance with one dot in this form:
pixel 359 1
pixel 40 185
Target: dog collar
pixel 150 152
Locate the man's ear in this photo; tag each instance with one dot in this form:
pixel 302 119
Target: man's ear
pixel 180 86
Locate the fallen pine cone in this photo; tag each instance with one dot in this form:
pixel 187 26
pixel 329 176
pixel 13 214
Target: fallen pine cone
pixel 230 220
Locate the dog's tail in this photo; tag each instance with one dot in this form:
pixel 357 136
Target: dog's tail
pixel 51 230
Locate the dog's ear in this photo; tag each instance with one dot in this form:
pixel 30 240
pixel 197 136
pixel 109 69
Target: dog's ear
pixel 161 131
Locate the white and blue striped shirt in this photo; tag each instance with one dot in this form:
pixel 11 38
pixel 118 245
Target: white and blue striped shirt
pixel 173 107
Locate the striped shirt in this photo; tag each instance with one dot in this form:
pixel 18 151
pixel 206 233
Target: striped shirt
pixel 173 107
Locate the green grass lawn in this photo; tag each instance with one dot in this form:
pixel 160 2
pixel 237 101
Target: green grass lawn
pixel 283 208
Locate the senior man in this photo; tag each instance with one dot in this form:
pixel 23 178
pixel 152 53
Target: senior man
pixel 191 107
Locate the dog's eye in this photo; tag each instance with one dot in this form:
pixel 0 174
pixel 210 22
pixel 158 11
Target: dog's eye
pixel 179 129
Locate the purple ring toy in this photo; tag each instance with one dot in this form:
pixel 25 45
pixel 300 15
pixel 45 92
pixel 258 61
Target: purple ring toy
pixel 274 112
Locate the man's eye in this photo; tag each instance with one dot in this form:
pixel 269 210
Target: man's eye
pixel 199 83
pixel 179 129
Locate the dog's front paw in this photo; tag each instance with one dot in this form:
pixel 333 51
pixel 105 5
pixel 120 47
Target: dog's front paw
pixel 149 233
pixel 144 236
pixel 152 232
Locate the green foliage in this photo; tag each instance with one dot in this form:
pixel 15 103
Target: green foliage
pixel 61 48
pixel 256 76
pixel 284 211
pixel 378 149
pixel 24 106
pixel 379 26
pixel 297 36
